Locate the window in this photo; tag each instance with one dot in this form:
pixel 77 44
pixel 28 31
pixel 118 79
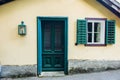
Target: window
pixel 95 31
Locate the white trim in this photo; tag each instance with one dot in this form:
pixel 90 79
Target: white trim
pixel 102 32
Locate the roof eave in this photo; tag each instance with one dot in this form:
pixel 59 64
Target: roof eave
pixel 5 1
pixel 112 7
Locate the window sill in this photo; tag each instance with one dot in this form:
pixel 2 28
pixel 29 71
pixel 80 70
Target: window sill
pixel 95 45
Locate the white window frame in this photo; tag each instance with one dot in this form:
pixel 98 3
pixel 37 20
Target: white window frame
pixel 102 31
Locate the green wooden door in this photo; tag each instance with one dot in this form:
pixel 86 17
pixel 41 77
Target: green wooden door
pixel 52 45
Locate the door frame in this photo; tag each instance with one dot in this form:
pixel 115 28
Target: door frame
pixel 39 42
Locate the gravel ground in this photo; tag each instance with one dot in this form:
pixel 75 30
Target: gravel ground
pixel 107 75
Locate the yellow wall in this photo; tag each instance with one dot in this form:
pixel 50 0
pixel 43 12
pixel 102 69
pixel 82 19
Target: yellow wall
pixel 17 50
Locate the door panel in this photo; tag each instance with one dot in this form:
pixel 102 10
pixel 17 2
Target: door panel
pixel 58 61
pixel 53 45
pixel 47 61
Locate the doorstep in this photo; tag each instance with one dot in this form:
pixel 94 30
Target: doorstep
pixel 52 74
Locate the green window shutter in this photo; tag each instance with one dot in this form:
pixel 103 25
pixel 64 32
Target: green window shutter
pixel 110 32
pixel 81 32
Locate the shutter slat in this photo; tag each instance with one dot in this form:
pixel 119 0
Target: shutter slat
pixel 81 31
pixel 110 32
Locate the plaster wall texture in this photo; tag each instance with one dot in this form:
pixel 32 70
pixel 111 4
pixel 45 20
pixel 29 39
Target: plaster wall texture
pixel 19 50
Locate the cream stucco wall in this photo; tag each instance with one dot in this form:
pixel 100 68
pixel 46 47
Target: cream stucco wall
pixel 18 50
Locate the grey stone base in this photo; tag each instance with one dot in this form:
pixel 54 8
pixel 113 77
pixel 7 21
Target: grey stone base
pixel 75 66
pixel 85 66
pixel 18 71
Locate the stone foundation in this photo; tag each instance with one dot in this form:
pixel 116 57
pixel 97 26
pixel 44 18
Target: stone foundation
pixel 75 66
pixel 18 71
pixel 85 66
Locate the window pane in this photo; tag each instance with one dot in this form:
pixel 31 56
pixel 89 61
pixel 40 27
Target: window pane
pixel 96 37
pixel 89 27
pixel 58 37
pixel 97 27
pixel 89 37
pixel 47 37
